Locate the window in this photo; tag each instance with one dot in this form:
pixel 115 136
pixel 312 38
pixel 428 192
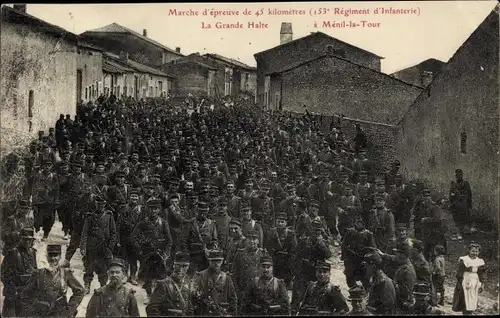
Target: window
pixel 156 92
pixel 144 92
pixel 86 92
pixel 97 89
pixel 463 143
pixel 118 91
pixel 125 90
pixel 151 91
pixel 276 106
pixel 31 102
pixel 267 98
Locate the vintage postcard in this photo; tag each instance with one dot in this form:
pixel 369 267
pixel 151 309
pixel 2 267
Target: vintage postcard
pixel 233 159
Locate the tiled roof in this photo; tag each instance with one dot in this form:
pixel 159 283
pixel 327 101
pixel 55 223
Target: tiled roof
pixel 187 61
pixel 14 16
pixel 133 65
pixel 116 28
pixel 112 67
pixel 231 61
pixel 317 34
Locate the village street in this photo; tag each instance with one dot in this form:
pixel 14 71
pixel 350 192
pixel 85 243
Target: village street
pixel 486 305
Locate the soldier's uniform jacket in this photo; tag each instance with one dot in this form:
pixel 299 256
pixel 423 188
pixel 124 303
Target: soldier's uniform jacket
pixel 282 245
pixel 249 225
pixel 50 293
pixel 208 230
pixel 303 224
pixel 382 295
pixel 170 298
pixel 99 233
pixel 365 192
pixel 381 223
pixel 109 302
pixel 45 188
pixel 150 236
pixel 422 269
pixel 246 267
pixel 365 312
pixel 128 218
pixel 325 298
pixel 460 195
pixel 233 206
pixel 233 246
pixel 265 297
pixel 308 253
pixel 118 194
pixel 222 227
pixel 353 242
pixel 405 279
pixel 287 206
pixel 212 296
pixel 17 271
pixel 427 310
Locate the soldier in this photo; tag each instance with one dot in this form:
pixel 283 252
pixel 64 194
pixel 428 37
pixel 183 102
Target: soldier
pixel 266 294
pixel 302 221
pixel 365 190
pixel 45 198
pixel 322 297
pixel 236 241
pixel 18 268
pixel 129 217
pixel 433 231
pixel 356 297
pixel 114 299
pixel 213 292
pixel 382 224
pixel 171 296
pixel 152 238
pixel 313 210
pixel 234 202
pixel 65 208
pixel 282 246
pixel 391 174
pixel 356 239
pixel 382 292
pixel 51 287
pixel 246 261
pixel 461 203
pixel 208 230
pixel 405 276
pixel 118 194
pixel 99 238
pixel 420 210
pixel 222 220
pixel 422 307
pixel 248 224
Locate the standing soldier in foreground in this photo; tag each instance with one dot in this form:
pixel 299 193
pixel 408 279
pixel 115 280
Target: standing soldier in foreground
pixel 213 290
pixel 172 295
pixel 51 287
pixel 18 268
pixel 356 297
pixel 461 202
pixel 266 295
pixel 113 299
pixel 322 297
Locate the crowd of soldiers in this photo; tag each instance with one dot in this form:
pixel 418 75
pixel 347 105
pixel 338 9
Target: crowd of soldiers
pixel 221 211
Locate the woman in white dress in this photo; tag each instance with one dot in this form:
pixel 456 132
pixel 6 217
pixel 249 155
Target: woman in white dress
pixel 469 281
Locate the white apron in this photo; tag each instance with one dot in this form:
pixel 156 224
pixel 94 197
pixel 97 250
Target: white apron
pixel 471 283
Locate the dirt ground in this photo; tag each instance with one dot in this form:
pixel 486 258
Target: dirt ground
pixel 488 300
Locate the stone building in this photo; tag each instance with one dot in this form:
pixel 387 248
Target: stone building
pixel 420 74
pixel 455 123
pixel 125 77
pixel 116 38
pixel 293 52
pixel 329 84
pixel 43 68
pixel 212 75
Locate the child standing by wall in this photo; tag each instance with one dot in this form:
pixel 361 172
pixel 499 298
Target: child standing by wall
pixel 438 272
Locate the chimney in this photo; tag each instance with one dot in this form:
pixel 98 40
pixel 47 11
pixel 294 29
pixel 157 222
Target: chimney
pixel 145 32
pixel 286 34
pixel 124 56
pixel 20 7
pixel 178 49
pixel 426 78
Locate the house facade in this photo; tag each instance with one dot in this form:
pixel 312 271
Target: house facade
pixel 455 123
pixel 292 52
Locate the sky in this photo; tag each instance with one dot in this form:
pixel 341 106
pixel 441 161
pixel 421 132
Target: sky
pixel 436 29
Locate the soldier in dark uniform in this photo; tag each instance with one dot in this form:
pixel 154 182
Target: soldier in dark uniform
pixel 118 194
pixel 382 292
pixel 302 221
pixel 51 286
pixel 208 230
pixel 249 224
pixel 405 276
pixel 128 218
pixel 382 224
pixel 222 220
pixel 172 295
pixel 99 238
pixel 65 207
pixel 213 292
pixel 18 269
pixel 357 299
pixel 282 247
pixel 236 242
pixel 422 307
pixel 266 294
pixel 234 201
pixel 113 299
pixel 45 198
pixel 461 202
pixel 152 238
pixel 246 262
pixel 356 239
pixel 322 297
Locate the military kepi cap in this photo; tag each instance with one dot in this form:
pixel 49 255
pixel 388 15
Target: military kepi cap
pixel 181 258
pixel 356 293
pixel 53 249
pixel 421 289
pixel 27 232
pixel 215 255
pixel 266 259
pixel 117 262
pixel 325 264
